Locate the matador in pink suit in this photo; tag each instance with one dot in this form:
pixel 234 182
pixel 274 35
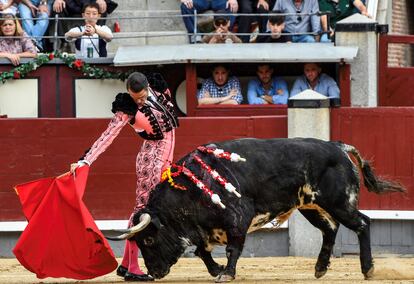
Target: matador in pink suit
pixel 151 114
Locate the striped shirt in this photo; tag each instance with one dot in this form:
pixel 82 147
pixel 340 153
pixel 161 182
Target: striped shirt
pixel 221 91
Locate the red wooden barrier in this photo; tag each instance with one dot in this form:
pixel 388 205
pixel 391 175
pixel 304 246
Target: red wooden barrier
pixel 395 84
pixel 36 148
pixel 384 136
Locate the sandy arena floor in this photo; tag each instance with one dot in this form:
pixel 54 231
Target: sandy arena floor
pixel 250 270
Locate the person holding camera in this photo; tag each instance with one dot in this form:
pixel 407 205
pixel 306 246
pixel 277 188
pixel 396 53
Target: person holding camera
pixel 221 34
pixel 90 39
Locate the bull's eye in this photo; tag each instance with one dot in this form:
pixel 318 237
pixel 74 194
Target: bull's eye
pixel 149 241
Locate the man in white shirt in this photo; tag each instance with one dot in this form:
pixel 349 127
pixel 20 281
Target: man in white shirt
pixel 90 39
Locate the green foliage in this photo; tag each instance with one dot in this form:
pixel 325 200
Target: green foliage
pixel 70 60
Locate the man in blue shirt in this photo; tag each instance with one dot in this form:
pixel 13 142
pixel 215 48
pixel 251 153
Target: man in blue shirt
pixel 220 89
pixel 267 90
pixel 313 79
pixel 303 19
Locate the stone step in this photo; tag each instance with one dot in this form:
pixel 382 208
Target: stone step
pixel 143 20
pixel 155 5
pixel 146 38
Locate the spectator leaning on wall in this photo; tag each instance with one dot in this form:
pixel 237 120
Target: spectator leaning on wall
pixel 14 42
pixel 266 89
pixel 314 79
pixel 220 88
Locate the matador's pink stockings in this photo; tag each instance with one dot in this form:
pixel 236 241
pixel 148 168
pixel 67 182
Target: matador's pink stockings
pixel 130 260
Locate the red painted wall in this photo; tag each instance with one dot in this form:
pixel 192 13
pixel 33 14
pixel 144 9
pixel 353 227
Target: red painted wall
pixel 36 148
pixel 384 136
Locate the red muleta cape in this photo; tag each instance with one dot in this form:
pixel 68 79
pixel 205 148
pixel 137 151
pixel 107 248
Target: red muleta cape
pixel 61 238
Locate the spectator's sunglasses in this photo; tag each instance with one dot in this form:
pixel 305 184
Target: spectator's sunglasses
pixel 220 22
pixel 299 18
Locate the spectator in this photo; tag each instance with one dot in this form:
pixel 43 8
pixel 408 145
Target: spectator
pixel 8 7
pixel 39 9
pixel 73 8
pixel 306 19
pixel 339 9
pixel 249 7
pixel 266 89
pixel 220 89
pixel 315 80
pixel 14 48
pixel 189 6
pixel 276 25
pixel 90 36
pixel 221 34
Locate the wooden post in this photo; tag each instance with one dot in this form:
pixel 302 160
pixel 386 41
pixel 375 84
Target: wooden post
pixel 191 88
pixel 345 84
pixel 383 64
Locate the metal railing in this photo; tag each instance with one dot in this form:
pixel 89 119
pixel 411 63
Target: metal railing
pixel 55 37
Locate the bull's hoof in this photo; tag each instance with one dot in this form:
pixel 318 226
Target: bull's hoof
pixel 369 274
pixel 224 278
pixel 319 274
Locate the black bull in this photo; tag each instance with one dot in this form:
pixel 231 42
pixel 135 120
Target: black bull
pixel 316 177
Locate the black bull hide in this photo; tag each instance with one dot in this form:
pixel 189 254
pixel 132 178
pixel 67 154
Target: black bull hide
pixel 316 177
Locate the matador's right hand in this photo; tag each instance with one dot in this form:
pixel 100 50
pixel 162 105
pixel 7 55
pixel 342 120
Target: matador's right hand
pixel 76 165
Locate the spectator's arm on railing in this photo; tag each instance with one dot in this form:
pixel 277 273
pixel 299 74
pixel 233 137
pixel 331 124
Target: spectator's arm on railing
pixel 333 89
pixel 208 100
pixel 73 34
pixel 252 97
pixel 234 38
pixel 14 58
pixel 104 32
pixel 282 93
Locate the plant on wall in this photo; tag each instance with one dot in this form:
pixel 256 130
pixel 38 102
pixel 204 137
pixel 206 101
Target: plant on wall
pixel 71 61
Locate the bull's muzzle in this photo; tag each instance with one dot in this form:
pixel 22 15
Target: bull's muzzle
pixel 144 220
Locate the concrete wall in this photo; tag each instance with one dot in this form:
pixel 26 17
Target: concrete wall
pixel 387 237
pixel 259 243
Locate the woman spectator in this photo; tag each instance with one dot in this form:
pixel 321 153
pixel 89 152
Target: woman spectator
pixel 14 43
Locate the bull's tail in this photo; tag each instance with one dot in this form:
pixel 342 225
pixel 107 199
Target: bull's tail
pixel 372 182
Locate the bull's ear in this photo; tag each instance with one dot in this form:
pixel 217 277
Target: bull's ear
pixel 156 222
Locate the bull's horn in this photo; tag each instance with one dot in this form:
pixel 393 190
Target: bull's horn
pixel 144 220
